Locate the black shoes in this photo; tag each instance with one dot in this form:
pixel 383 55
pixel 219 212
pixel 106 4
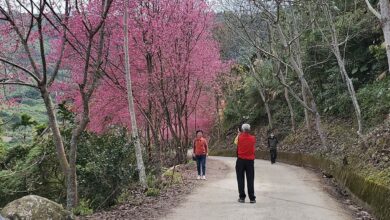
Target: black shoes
pixel 243 201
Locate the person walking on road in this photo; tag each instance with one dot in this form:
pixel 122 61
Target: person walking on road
pixel 245 164
pixel 200 151
pixel 272 145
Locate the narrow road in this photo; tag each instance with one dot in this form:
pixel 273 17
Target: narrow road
pixel 283 192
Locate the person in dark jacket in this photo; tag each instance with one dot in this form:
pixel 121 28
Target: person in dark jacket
pixel 272 145
pixel 245 164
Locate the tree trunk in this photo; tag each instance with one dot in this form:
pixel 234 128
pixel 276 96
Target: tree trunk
pixel 319 126
pixel 148 142
pixel 306 112
pixel 134 128
pixel 277 69
pixel 385 21
pixel 384 17
pixel 350 87
pixel 71 188
pixel 158 149
pixel 296 52
pixel 305 88
pixel 70 178
pixel 186 134
pixel 149 65
pixel 267 109
pixel 336 51
pixel 60 150
pixel 287 97
pixel 262 95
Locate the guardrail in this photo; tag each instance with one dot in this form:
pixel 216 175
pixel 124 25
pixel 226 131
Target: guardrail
pixel 376 197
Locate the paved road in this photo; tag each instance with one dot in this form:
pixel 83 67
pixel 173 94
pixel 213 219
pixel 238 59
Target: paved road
pixel 283 192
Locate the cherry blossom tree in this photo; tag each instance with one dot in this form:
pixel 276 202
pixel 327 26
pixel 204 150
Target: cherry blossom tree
pixel 60 37
pixel 174 62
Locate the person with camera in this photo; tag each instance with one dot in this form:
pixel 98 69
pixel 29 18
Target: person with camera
pixel 245 163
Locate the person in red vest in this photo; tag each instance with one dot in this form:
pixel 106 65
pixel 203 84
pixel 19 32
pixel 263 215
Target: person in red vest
pixel 200 151
pixel 245 164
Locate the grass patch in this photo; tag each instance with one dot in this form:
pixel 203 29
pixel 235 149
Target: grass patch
pixel 153 192
pixel 173 176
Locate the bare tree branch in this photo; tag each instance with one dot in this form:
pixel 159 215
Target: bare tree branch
pixel 17 82
pixel 291 91
pixel 20 67
pixel 372 9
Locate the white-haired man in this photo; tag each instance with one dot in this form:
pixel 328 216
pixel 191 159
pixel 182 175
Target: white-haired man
pixel 245 164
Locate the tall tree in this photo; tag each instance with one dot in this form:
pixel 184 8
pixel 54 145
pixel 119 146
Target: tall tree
pixel 384 17
pixel 285 35
pixel 134 127
pixel 173 65
pixel 24 25
pixel 334 44
pixel 74 41
pixel 261 88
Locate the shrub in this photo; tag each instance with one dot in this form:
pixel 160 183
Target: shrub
pixel 83 208
pixel 153 192
pixel 375 101
pixel 106 166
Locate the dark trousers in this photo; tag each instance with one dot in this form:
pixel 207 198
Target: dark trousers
pixel 201 164
pixel 245 168
pixel 273 153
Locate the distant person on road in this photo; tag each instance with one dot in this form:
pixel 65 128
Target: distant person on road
pixel 200 151
pixel 272 145
pixel 245 164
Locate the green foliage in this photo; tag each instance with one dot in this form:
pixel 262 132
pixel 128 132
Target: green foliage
pixel 361 45
pixel 105 167
pixel 243 102
pixel 34 171
pixel 3 151
pixel 379 51
pixel 83 208
pixel 381 177
pixel 40 128
pixel 36 110
pixel 153 192
pixel 25 121
pixel 375 101
pixel 64 113
pixel 152 181
pixel 173 176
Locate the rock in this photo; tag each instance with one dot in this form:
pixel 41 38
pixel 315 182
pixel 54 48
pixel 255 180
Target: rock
pixel 364 215
pixel 386 158
pixel 353 208
pixel 325 174
pixel 35 207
